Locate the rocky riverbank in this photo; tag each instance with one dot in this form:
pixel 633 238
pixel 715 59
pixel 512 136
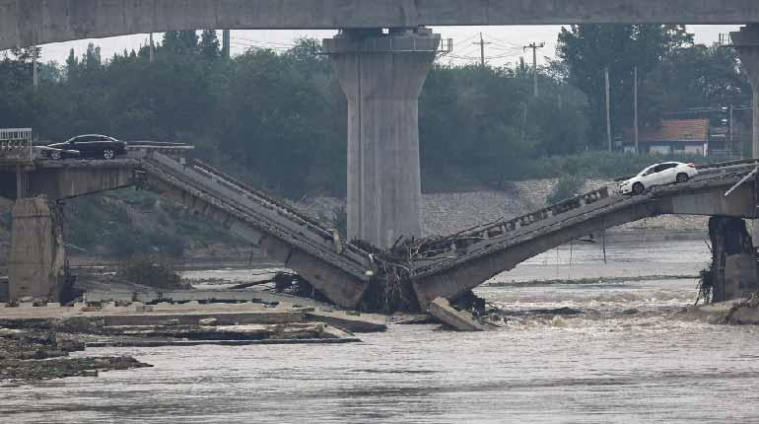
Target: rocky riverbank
pixel 29 354
pixel 35 342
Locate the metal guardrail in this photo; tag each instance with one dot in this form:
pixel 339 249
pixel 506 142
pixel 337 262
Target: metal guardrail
pixel 476 247
pixel 497 229
pixel 16 143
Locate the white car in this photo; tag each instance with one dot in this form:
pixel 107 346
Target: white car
pixel 658 175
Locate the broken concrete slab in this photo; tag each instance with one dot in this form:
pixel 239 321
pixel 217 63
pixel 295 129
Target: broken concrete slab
pixel 200 296
pixel 441 309
pixel 353 322
pixel 162 343
pixel 222 318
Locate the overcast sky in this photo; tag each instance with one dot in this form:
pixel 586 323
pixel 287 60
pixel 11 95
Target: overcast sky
pixel 505 43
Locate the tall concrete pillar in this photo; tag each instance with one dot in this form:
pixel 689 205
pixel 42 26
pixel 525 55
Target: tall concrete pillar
pixel 36 268
pixel 382 75
pixel 746 41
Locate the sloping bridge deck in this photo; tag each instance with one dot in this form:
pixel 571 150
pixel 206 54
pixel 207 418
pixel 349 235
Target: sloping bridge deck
pixel 337 270
pixel 442 266
pixel 448 267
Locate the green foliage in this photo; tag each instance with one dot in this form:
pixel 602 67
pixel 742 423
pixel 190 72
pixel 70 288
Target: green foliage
pixel 568 186
pixel 598 164
pixel 127 222
pixel 588 50
pixel 150 270
pixel 277 119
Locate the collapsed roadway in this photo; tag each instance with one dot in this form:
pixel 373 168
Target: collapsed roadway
pixel 352 274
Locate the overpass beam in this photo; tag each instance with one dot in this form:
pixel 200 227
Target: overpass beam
pixel 382 74
pixel 37 265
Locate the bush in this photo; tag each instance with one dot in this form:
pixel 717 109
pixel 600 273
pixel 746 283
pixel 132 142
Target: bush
pixel 150 270
pixel 567 187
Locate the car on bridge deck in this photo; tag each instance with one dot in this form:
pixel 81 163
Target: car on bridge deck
pixel 55 154
pixel 658 175
pixel 94 146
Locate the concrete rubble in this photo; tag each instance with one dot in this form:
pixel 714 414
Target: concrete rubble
pixel 441 309
pixel 32 334
pixel 35 354
pixel 744 311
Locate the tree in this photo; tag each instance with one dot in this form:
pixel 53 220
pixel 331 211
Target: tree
pixel 209 45
pixel 181 43
pixel 588 50
pixel 695 77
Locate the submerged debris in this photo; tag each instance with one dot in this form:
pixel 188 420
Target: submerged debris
pixel 43 354
pixel 441 309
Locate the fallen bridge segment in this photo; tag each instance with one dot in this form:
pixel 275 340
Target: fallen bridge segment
pixel 414 272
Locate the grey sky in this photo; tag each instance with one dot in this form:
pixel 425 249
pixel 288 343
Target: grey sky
pixel 505 42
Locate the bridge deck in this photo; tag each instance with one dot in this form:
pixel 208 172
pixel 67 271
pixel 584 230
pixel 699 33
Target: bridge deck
pixel 440 266
pixel 448 266
pixel 285 233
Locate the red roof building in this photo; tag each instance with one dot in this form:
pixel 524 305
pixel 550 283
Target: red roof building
pixel 688 136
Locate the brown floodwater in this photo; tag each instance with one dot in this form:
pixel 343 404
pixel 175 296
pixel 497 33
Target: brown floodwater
pixel 629 357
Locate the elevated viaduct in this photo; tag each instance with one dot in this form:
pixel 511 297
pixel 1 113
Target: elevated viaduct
pixel 33 22
pixel 381 72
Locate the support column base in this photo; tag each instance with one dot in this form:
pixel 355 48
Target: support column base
pixel 37 265
pixel 734 271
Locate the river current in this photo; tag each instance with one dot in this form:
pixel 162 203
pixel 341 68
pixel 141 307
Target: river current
pixel 630 356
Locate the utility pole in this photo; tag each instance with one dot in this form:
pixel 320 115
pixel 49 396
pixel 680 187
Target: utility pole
pixel 482 44
pixel 535 47
pixel 35 76
pixel 152 47
pixel 608 109
pixel 635 106
pixel 226 41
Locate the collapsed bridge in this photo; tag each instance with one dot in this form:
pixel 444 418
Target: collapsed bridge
pixel 342 271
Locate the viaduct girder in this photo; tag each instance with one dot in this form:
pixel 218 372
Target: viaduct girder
pixel 35 22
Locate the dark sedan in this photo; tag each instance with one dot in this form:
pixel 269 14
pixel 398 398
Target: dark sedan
pixel 94 146
pixel 55 154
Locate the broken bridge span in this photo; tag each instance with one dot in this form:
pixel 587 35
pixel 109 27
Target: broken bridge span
pixel 344 271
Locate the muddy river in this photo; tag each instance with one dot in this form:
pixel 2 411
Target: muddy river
pixel 628 357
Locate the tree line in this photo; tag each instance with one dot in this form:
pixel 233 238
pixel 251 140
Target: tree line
pixel 278 119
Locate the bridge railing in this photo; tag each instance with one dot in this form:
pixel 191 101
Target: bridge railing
pixel 463 240
pixel 16 143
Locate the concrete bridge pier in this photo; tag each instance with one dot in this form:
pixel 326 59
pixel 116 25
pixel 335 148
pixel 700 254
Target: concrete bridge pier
pixel 37 264
pixel 746 41
pixel 382 74
pixel 734 267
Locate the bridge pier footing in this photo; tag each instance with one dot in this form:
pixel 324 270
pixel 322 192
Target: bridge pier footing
pixel 734 267
pixel 37 264
pixel 382 74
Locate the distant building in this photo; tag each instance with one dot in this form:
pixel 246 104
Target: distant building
pixel 685 136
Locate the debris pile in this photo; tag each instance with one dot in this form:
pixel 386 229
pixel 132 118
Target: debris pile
pixel 44 354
